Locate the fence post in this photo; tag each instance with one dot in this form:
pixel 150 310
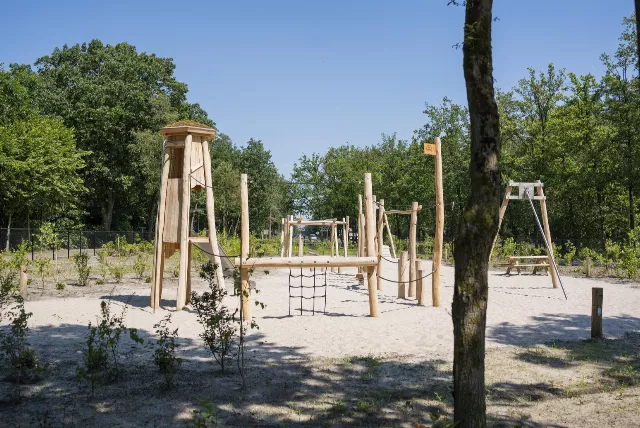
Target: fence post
pixel 68 244
pixel 31 239
pixel 596 313
pixel 80 244
pixel 94 241
pixel 588 267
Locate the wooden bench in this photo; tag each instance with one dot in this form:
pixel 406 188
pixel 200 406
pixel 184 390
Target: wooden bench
pixel 536 262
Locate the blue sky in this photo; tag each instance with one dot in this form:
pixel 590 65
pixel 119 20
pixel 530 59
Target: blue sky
pixel 306 75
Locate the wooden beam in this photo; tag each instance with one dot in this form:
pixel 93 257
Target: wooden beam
pixel 413 235
pixel 370 221
pixel 405 212
pixel 439 237
pixel 300 244
pixel 547 232
pixel 282 237
pixel 503 209
pixel 290 244
pixel 184 224
pixel 306 261
pixel 402 274
pixel 158 255
pixel 211 218
pixel 393 247
pixel 379 237
pixel 244 248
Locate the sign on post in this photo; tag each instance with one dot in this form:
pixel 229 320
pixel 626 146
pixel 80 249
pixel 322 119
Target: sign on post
pixel 429 149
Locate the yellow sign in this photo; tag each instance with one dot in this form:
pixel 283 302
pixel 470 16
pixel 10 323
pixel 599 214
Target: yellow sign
pixel 430 149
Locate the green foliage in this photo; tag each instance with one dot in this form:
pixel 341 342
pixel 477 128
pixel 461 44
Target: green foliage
pixel 630 256
pixel 140 266
pixel 60 286
pixel 81 263
pixel 103 263
pixel 101 356
pixel 42 268
pixel 206 415
pixel 165 355
pixel 14 347
pixel 117 269
pixel 218 322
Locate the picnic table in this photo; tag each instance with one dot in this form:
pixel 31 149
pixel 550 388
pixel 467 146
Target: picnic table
pixel 536 262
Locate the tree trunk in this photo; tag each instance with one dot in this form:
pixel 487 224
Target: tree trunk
pixel 6 247
pixel 479 221
pixel 107 210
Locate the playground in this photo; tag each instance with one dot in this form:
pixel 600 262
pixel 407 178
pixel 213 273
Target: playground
pixel 342 366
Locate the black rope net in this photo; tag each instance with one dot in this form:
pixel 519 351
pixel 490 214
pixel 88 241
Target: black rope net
pixel 302 287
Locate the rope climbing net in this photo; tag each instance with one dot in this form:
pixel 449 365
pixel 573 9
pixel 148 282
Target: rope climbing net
pixel 313 287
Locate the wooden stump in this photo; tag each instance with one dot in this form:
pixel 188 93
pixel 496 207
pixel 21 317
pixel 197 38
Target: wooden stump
pixel 596 312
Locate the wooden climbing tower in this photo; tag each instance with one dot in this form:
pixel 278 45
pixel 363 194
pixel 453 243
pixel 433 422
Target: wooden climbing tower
pixel 186 167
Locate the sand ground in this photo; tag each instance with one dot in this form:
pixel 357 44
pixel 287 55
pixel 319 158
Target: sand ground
pixel 341 367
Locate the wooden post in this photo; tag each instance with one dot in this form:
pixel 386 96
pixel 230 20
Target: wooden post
pixel 300 244
pixel 402 274
pixel 439 238
pixel 23 281
pixel 188 295
pixel 211 219
pixel 379 236
pixel 503 209
pixel 393 247
pixel 344 239
pixel 363 240
pixel 412 249
pixel 158 256
pixel 244 247
pixel 547 234
pixel 420 292
pixel 596 312
pixel 290 241
pixel 588 266
pixel 332 242
pixel 370 225
pixel 360 230
pixel 282 237
pixel 184 224
pixel 375 226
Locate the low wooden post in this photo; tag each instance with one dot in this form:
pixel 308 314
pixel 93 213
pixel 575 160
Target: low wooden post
pixel 244 247
pixel 332 242
pixel 402 274
pixel 588 266
pixel 412 249
pixel 346 236
pixel 23 281
pixel 370 221
pixel 596 312
pixel 420 294
pixel 360 231
pixel 380 241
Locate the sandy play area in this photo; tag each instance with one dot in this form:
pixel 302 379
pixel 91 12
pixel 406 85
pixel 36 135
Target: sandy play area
pixel 343 367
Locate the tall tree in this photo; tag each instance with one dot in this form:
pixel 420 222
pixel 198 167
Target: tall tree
pixel 479 220
pixel 106 92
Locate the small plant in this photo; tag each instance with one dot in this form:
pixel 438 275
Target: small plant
pixel 165 355
pixel 216 319
pixel 95 359
pixel 103 264
pixel 21 358
pixel 60 286
pixel 117 271
pixel 140 266
pixel 42 268
pixel 206 415
pixel 81 262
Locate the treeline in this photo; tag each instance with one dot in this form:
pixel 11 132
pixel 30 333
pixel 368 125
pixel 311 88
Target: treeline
pixel 578 134
pixel 80 147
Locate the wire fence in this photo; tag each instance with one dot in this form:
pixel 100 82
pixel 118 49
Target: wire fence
pixel 66 243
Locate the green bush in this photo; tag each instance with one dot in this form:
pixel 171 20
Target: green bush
pixel 165 355
pixel 140 265
pixel 81 263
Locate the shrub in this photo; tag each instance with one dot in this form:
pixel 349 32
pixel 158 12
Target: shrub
pixel 206 415
pixel 165 355
pixel 216 319
pixel 20 357
pixel 569 253
pixel 95 358
pixel 117 270
pixel 43 267
pixel 140 266
pixel 81 263
pixel 103 263
pixel 60 286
